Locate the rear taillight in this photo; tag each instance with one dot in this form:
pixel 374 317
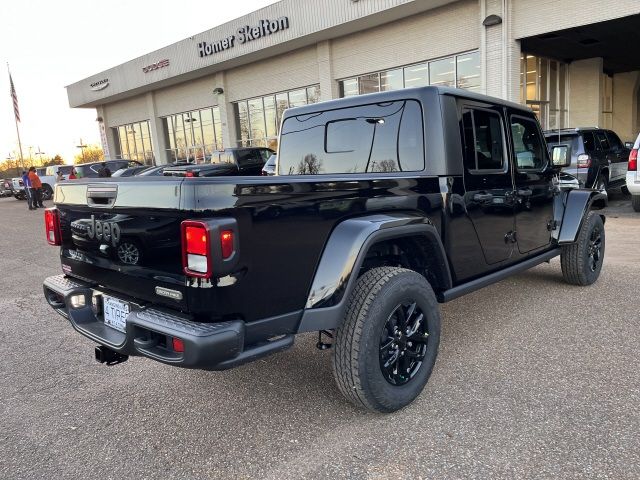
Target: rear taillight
pixel 52 226
pixel 633 160
pixel 196 249
pixel 584 161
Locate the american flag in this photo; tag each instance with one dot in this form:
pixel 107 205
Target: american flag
pixel 14 96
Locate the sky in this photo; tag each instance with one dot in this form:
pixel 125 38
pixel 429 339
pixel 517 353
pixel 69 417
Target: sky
pixel 51 44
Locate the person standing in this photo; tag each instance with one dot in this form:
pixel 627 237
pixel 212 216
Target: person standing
pixel 36 185
pixel 59 176
pixel 104 171
pixel 28 191
pixel 72 175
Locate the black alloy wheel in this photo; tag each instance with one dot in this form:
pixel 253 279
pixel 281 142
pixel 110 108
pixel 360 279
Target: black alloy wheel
pixel 403 343
pixel 594 248
pixel 386 347
pixel 582 260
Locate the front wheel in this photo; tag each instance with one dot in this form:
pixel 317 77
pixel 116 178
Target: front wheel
pixel 387 345
pixel 582 261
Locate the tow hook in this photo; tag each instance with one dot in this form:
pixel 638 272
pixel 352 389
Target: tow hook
pixel 108 356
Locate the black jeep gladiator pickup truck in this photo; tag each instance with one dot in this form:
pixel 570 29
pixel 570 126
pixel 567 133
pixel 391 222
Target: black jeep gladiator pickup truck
pixel 383 206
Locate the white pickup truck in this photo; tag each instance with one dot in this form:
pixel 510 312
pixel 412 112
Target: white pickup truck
pixel 47 177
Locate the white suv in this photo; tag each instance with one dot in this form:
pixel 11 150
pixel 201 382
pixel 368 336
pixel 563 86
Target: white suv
pixel 633 176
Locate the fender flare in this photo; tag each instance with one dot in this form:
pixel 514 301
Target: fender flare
pixel 344 254
pixel 577 204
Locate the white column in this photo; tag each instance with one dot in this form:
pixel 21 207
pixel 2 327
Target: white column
pixel 227 112
pixel 158 138
pixel 101 113
pixel 328 86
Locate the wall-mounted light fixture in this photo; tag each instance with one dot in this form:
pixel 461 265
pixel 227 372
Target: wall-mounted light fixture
pixel 492 20
pixel 99 119
pixel 218 91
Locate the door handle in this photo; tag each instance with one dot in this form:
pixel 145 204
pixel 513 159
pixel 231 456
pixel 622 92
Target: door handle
pixel 524 193
pixel 482 197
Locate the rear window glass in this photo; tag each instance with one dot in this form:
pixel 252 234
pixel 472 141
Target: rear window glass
pixel 571 140
pixel 384 137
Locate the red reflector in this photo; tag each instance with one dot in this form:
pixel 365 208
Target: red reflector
pixel 52 226
pixel 196 240
pixel 178 345
pixel 226 242
pixel 190 174
pixel 633 160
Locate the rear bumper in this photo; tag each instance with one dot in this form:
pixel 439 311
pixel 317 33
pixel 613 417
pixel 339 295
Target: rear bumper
pixel 150 330
pixel 633 183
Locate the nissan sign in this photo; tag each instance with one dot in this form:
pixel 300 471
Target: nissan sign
pixel 99 85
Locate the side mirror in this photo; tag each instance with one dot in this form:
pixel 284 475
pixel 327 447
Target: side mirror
pixel 628 145
pixel 560 156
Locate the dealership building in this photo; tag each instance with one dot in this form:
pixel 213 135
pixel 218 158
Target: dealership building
pixel 574 62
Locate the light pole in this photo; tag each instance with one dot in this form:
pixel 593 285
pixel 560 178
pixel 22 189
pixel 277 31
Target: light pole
pixel 40 153
pixel 82 146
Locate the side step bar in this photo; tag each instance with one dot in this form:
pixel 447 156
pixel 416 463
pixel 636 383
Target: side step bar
pixel 473 285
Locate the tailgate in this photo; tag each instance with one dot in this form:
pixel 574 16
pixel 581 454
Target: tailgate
pixel 125 236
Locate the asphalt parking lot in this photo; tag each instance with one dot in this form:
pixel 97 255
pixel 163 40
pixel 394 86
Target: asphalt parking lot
pixel 535 379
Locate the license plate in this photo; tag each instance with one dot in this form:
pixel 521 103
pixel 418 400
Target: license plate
pixel 115 313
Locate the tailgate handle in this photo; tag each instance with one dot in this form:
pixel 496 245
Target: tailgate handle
pixel 101 195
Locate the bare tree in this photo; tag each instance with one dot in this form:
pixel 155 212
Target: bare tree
pixel 310 165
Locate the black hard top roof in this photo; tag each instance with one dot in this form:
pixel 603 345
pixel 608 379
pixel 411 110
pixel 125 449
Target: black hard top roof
pixel 402 94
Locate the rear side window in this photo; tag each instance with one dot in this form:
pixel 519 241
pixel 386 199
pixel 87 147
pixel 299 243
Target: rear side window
pixel 527 144
pixel 249 157
pixel 614 141
pixel 384 137
pixel 589 142
pixel 602 141
pixel 483 141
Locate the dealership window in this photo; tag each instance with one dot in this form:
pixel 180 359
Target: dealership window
pixel 544 88
pixel 462 71
pixel 193 136
pixel 381 138
pixel 133 142
pixel 258 119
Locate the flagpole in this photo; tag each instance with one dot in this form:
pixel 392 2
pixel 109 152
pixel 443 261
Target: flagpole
pixel 17 129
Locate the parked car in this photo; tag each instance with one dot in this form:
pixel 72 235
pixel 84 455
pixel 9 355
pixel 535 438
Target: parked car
pixel 598 157
pixel 90 170
pixel 633 176
pixel 231 161
pixel 6 188
pixel 270 167
pixel 222 282
pixel 130 171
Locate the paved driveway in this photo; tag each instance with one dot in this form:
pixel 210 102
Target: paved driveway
pixel 535 379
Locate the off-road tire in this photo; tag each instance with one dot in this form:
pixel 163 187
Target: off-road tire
pixel 356 356
pixel 575 260
pixel 635 202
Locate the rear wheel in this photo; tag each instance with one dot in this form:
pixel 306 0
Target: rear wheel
pixel 582 261
pixel 47 192
pixel 635 202
pixel 386 348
